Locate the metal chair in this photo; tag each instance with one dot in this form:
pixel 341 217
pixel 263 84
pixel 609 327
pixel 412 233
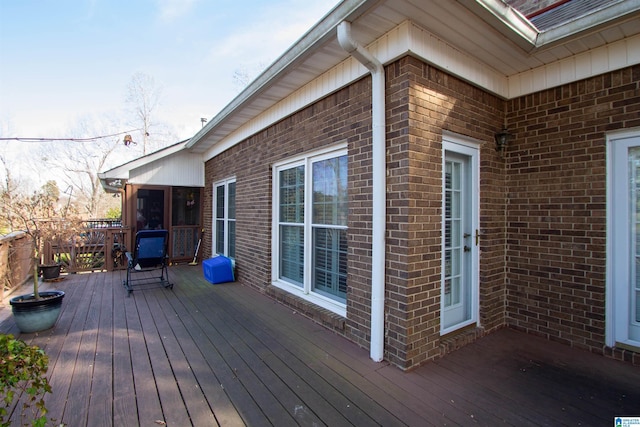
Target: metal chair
pixel 150 253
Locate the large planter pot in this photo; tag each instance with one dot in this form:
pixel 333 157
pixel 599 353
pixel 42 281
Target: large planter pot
pixel 34 315
pixel 50 272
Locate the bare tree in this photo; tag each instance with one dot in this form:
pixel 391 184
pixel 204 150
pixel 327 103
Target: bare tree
pixel 77 164
pixel 143 98
pixel 6 195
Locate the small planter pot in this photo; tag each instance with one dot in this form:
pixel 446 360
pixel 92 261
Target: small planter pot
pixel 50 272
pixel 35 315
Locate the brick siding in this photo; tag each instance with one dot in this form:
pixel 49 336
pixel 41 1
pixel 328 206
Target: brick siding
pixel 542 204
pixel 344 116
pixel 556 205
pixel 427 102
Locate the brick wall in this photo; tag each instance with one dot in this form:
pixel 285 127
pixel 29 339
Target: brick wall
pixel 542 212
pixel 342 116
pixel 423 102
pixel 556 212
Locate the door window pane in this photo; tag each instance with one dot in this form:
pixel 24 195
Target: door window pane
pixel 634 206
pixel 452 233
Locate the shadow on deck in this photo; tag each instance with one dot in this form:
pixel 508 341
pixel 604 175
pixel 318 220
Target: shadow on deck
pixel 227 355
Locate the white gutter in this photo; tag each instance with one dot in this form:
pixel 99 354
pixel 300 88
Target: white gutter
pixel 506 20
pixel 379 185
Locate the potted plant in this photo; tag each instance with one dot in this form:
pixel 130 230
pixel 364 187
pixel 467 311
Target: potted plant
pixel 41 218
pixel 22 377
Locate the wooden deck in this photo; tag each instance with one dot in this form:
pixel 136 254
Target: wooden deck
pixel 226 355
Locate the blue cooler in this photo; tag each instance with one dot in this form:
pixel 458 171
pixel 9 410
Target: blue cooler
pixel 218 269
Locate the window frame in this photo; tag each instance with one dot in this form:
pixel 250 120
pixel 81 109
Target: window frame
pixel 305 291
pixel 226 220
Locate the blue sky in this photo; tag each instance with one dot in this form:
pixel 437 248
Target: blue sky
pixel 63 59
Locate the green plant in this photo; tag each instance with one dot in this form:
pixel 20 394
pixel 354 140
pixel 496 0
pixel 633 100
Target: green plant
pixel 22 376
pixel 114 213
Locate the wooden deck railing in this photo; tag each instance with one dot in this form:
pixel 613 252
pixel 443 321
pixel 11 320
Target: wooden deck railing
pixel 96 248
pixel 99 247
pixel 15 260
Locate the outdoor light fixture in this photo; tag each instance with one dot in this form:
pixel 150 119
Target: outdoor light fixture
pixel 502 138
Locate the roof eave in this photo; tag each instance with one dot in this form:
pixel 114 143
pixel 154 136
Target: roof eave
pixel 319 33
pixel 122 171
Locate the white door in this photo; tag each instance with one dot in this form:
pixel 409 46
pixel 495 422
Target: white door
pixel 460 236
pixel 623 280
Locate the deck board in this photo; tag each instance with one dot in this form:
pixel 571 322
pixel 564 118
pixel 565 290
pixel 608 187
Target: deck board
pixel 149 408
pixel 124 407
pixel 299 335
pixel 197 408
pixel 85 327
pixel 205 355
pixel 100 404
pixel 246 368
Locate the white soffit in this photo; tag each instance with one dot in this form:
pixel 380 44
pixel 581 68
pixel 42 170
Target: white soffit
pixel 483 42
pixel 401 40
pixel 590 63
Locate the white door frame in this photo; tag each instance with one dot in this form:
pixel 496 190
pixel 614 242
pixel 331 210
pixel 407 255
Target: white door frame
pixel 471 148
pixel 617 307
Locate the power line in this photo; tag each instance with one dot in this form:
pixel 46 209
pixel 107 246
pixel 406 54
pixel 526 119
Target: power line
pixel 95 138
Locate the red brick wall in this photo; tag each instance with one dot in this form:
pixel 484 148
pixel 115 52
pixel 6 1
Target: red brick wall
pixel 556 206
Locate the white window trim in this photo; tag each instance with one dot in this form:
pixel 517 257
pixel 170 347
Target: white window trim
pixel 225 183
pixel 305 292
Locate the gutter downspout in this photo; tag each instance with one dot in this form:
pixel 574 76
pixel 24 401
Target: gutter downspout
pixel 378 246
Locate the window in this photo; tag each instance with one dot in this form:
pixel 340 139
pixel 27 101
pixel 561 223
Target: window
pixel 310 228
pixel 224 213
